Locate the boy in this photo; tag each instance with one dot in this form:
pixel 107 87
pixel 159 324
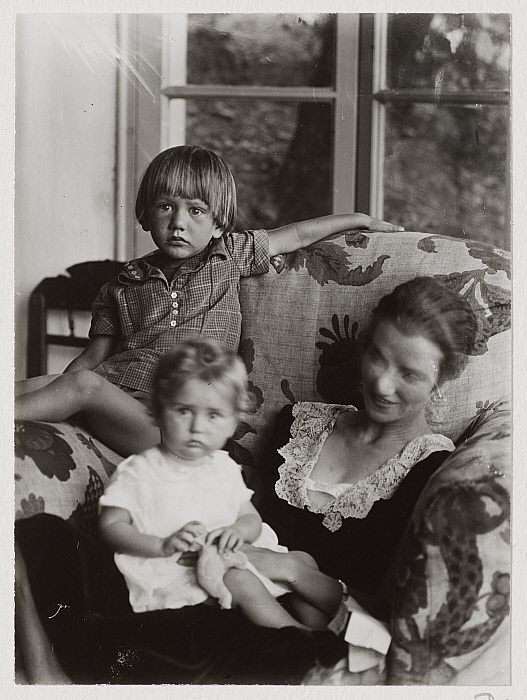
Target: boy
pixel 186 288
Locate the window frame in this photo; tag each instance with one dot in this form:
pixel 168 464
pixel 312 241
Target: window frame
pixel 152 119
pixel 377 95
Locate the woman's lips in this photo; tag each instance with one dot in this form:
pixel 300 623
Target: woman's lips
pixel 382 402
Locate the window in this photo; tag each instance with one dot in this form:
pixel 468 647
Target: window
pixel 402 116
pixel 440 123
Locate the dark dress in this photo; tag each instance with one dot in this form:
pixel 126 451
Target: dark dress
pixel 82 601
pixel 359 552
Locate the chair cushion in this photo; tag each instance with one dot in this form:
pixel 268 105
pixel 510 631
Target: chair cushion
pixel 60 469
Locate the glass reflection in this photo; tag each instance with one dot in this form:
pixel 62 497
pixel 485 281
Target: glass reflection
pixel 259 49
pixel 280 153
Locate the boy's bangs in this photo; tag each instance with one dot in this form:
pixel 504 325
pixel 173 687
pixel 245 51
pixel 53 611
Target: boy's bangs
pixel 197 183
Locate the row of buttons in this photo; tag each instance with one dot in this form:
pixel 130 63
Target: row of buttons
pixel 174 308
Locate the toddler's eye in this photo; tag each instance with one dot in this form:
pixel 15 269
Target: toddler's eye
pixel 214 415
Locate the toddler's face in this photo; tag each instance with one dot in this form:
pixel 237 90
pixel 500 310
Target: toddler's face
pixel 199 421
pixel 180 227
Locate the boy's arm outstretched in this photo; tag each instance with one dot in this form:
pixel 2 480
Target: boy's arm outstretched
pixel 291 237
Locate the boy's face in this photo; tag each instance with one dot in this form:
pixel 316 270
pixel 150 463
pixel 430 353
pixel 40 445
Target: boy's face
pixel 180 227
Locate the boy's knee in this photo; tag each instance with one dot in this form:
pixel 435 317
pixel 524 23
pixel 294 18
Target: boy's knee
pixel 84 381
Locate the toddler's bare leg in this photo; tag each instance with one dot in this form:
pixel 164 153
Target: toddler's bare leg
pixel 300 571
pixel 113 416
pixel 256 602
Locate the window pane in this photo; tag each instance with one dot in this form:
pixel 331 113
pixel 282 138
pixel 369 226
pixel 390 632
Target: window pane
pixel 449 51
pixel 446 170
pixel 260 49
pixel 280 153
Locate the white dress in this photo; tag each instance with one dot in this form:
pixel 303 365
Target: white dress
pixel 162 495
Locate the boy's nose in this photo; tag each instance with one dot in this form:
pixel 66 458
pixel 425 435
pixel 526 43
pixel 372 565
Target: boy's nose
pixel 177 220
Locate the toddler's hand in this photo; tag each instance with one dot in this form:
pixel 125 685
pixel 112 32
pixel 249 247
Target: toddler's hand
pixel 228 539
pixel 188 539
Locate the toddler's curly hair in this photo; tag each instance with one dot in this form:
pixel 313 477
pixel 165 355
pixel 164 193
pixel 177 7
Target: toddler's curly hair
pixel 205 360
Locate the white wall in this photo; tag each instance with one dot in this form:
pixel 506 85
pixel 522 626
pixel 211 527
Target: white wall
pixel 65 150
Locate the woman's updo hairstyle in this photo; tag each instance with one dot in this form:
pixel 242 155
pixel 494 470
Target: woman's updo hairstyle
pixel 427 307
pixel 205 360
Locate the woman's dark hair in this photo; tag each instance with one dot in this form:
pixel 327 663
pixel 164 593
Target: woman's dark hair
pixel 201 359
pixel 427 307
pixel 190 172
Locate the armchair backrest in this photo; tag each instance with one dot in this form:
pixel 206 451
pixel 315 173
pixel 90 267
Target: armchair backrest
pixel 301 322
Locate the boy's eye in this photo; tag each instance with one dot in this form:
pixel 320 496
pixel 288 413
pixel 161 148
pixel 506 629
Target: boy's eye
pixel 195 211
pixel 164 207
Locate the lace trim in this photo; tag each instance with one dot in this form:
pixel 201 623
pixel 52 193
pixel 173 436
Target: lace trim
pixel 311 427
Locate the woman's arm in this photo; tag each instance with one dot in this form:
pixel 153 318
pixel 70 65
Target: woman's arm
pixel 291 237
pixel 98 349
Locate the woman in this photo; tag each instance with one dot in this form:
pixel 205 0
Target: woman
pixel 341 483
pixel 338 483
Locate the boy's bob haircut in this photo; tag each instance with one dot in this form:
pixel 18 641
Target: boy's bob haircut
pixel 205 360
pixel 190 172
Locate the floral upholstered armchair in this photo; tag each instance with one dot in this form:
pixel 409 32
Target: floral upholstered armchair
pixel 301 331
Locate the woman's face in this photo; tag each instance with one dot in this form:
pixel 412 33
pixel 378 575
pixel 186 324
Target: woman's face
pixel 399 372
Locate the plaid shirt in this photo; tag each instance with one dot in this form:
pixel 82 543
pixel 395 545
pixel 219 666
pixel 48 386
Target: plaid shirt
pixel 150 315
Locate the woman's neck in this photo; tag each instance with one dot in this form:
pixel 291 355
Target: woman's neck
pixel 397 433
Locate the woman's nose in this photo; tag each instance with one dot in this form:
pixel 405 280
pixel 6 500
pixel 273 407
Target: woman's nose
pixel 384 383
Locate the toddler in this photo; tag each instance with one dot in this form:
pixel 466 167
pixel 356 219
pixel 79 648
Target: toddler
pixel 187 287
pixel 159 502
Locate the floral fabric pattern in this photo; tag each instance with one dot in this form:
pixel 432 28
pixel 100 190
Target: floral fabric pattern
pixel 312 425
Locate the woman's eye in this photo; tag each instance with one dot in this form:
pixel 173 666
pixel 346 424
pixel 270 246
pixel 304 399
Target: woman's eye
pixel 409 376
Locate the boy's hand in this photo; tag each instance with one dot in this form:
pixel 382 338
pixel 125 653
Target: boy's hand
pixel 188 539
pixel 369 223
pixel 230 539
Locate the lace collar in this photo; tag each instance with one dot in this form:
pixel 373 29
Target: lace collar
pixel 312 425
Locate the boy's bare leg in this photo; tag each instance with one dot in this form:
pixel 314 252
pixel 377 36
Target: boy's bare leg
pixel 39 661
pixel 26 385
pixel 300 571
pixel 257 604
pixel 113 416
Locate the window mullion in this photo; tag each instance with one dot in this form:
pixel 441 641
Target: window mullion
pixel 378 123
pixel 345 113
